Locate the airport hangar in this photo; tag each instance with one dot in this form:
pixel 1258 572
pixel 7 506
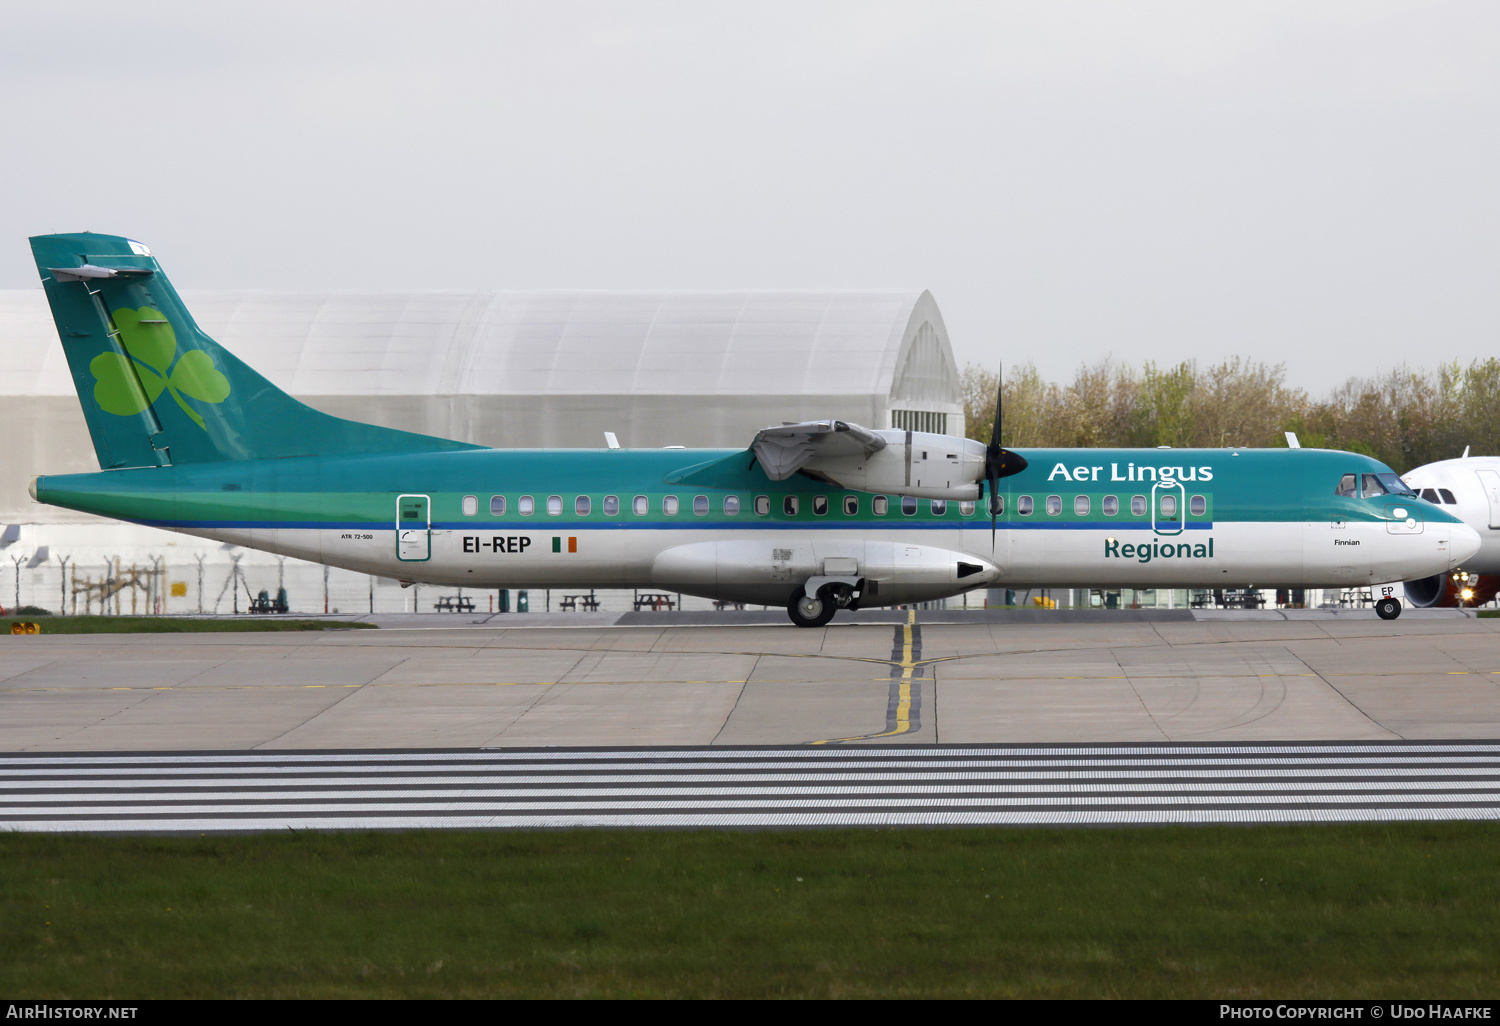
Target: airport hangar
pixel 513 369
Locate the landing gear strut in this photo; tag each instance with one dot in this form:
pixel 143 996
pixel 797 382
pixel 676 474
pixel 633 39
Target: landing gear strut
pixel 812 612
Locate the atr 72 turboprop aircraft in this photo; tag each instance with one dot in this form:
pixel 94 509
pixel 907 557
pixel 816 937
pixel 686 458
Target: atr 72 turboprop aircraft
pixel 818 516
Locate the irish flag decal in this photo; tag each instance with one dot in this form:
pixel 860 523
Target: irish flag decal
pixel 557 544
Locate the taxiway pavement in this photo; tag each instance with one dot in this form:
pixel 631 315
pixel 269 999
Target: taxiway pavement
pixel 1086 678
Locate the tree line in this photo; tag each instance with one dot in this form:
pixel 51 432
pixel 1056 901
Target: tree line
pixel 1403 418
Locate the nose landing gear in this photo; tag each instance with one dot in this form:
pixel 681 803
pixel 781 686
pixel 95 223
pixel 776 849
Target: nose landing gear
pixel 1388 608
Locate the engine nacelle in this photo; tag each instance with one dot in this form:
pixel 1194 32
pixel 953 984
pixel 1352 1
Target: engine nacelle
pixel 917 463
pixel 1445 591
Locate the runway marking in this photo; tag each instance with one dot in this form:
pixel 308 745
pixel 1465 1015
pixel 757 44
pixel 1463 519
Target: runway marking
pixel 903 711
pixel 749 787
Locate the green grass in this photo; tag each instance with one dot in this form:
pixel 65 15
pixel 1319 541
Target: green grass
pixel 169 624
pixel 1339 911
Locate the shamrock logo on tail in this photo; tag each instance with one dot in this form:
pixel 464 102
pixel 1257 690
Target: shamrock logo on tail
pixel 152 345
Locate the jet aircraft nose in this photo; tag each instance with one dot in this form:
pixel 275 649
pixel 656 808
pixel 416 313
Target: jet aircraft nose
pixel 1463 544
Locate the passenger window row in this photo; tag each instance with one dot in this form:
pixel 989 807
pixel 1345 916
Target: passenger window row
pixel 791 505
pixel 1110 505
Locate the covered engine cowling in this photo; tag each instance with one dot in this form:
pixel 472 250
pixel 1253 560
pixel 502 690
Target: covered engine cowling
pixel 1445 591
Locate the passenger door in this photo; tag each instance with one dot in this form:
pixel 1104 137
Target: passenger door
pixel 1490 481
pixel 413 528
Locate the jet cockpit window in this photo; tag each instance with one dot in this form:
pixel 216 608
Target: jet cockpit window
pixel 880 505
pixel 471 505
pixel 851 505
pixel 581 506
pixel 1024 505
pixel 641 505
pixel 1348 487
pixel 497 505
pixel 1395 485
pixel 762 505
pixel 731 505
pixel 820 505
pixel 939 507
pixel 966 509
pixel 1197 506
pixel 525 505
pixel 611 505
pixel 700 505
pixel 1054 505
pixel 554 505
pixel 1372 487
pixel 1430 494
pixel 789 505
pixel 908 506
pixel 669 505
pixel 1081 505
pixel 1447 496
pixel 1111 505
pixel 1138 505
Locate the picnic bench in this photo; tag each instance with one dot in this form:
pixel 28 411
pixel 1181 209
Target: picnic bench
pixel 576 602
pixel 454 604
pixel 653 600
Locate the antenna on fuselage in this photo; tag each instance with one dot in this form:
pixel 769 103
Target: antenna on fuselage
pixel 610 440
pixel 1466 453
pixel 1291 440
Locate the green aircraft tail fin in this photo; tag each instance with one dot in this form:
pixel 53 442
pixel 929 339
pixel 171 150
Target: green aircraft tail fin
pixel 157 391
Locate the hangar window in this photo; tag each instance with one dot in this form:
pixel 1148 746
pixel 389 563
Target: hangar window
pixel 851 505
pixel 1081 505
pixel 611 505
pixel 700 505
pixel 497 505
pixel 939 507
pixel 471 505
pixel 1447 496
pixel 554 505
pixel 1054 505
pixel 1197 506
pixel 908 505
pixel 731 505
pixel 820 505
pixel 762 505
pixel 641 505
pixel 966 509
pixel 1138 505
pixel 789 505
pixel 669 505
pixel 1111 505
pixel 1348 486
pixel 581 506
pixel 1024 505
pixel 525 505
pixel 880 505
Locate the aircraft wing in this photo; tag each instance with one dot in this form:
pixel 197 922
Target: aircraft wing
pixel 784 450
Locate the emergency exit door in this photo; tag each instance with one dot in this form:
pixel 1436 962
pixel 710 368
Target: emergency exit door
pixel 413 528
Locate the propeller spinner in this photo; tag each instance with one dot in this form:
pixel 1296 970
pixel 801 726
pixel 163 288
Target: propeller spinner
pixel 998 462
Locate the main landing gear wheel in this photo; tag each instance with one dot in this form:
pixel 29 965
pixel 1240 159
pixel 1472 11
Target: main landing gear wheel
pixel 811 612
pixel 1388 608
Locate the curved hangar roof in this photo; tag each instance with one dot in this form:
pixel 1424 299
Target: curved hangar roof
pixel 558 368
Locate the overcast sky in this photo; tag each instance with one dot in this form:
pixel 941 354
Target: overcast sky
pixel 1307 183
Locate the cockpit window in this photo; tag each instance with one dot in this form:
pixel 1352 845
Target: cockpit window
pixel 1430 494
pixel 1447 496
pixel 1395 485
pixel 1348 487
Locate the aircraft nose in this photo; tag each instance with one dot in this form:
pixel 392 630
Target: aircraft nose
pixel 1463 544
